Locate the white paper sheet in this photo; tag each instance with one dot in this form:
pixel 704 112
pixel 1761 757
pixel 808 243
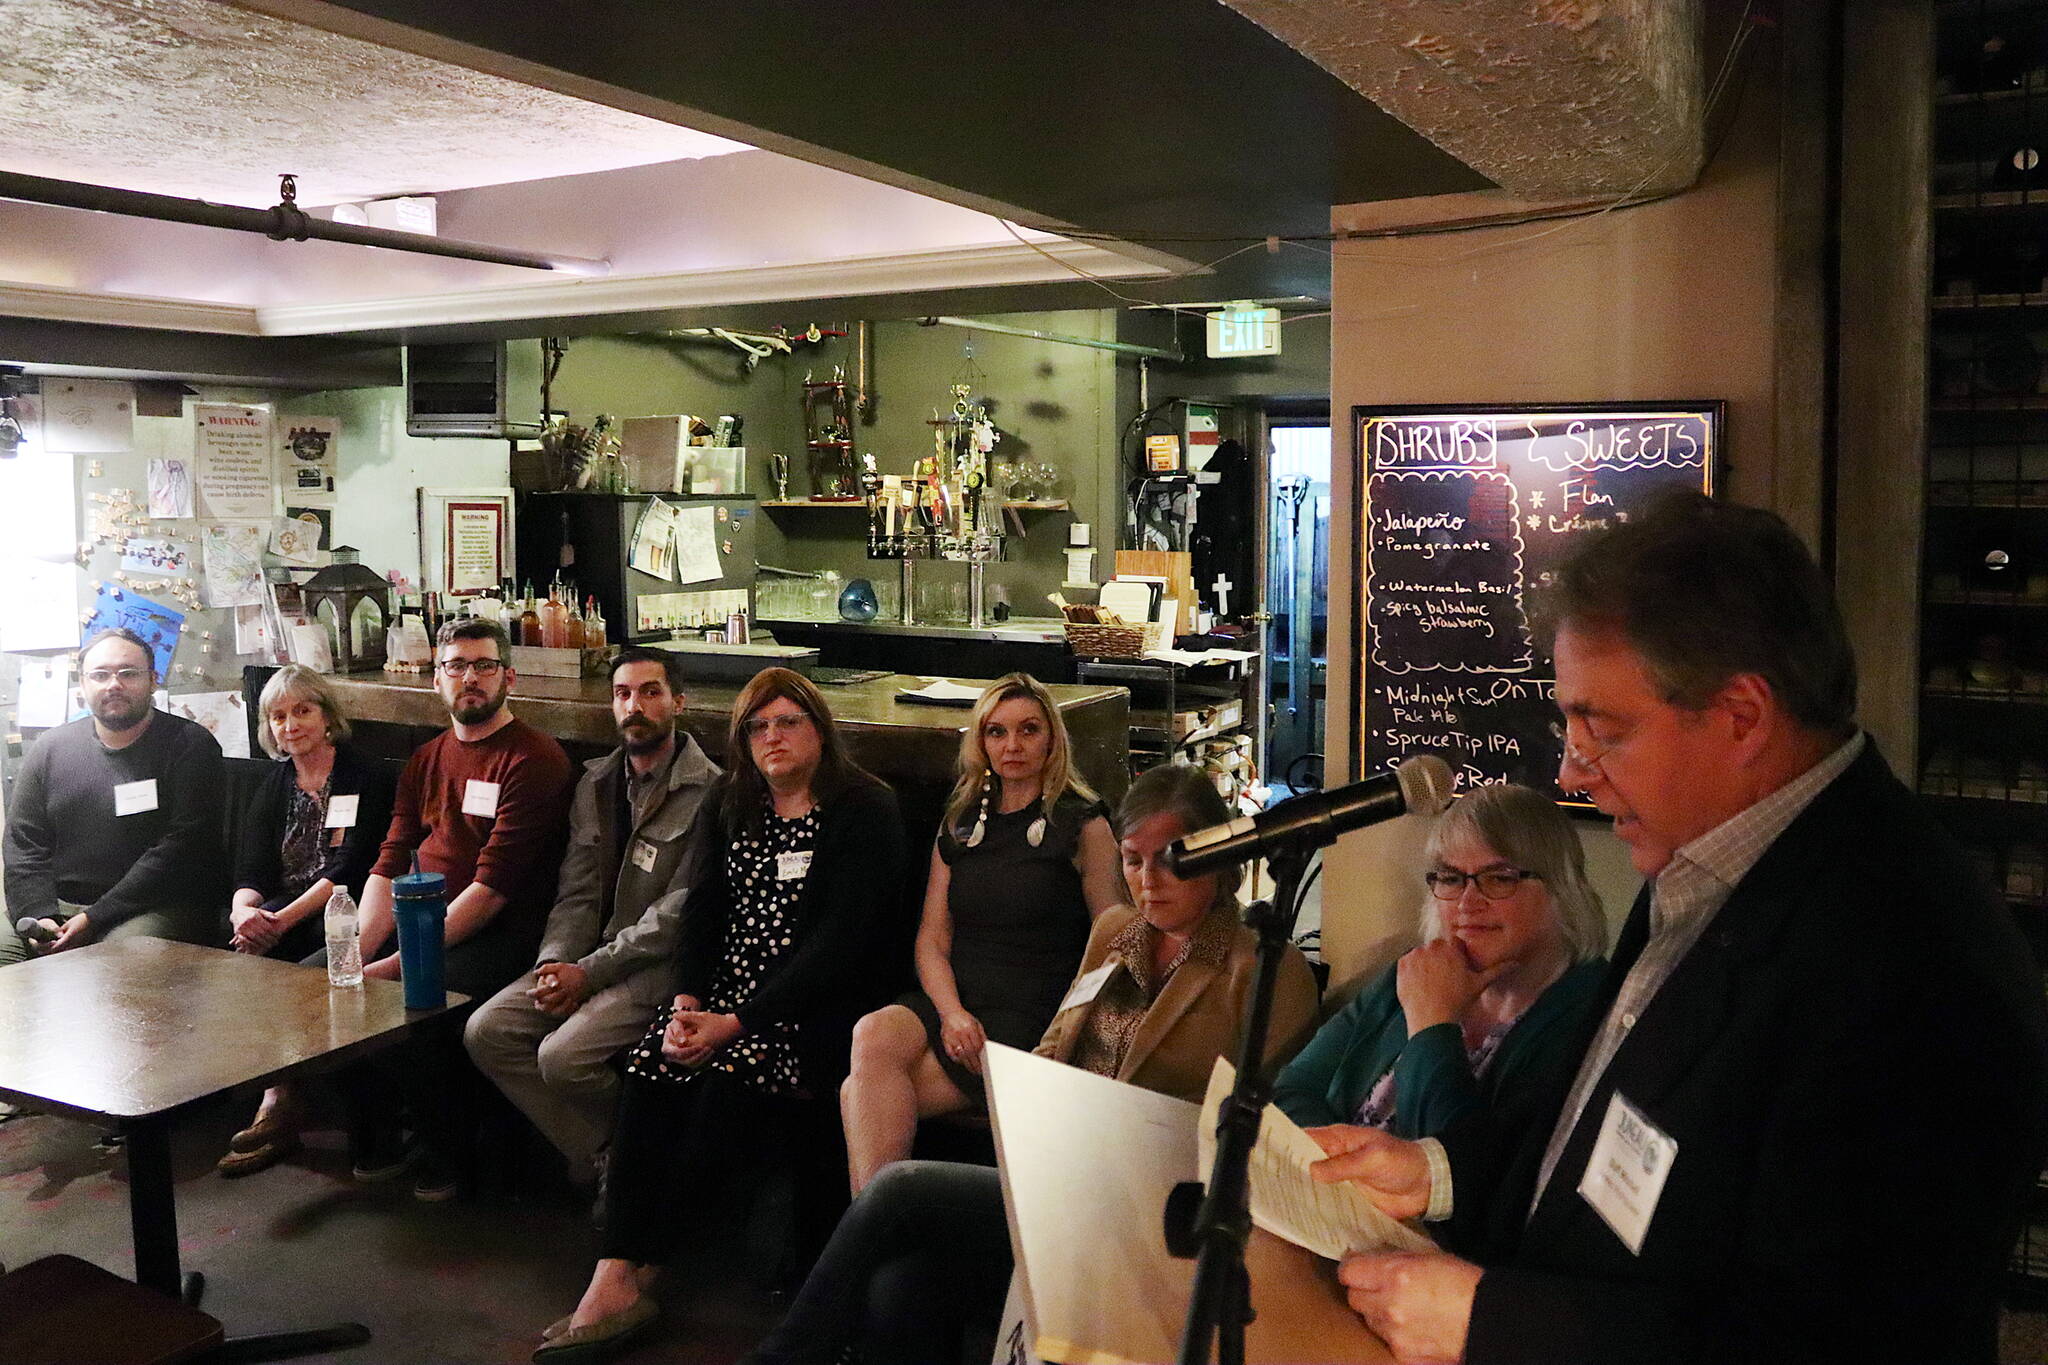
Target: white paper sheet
pixel 252 635
pixel 88 416
pixel 944 692
pixel 38 507
pixel 170 488
pixel 654 541
pixel 1331 1220
pixel 221 713
pixel 39 605
pixel 697 545
pixel 233 461
pixel 44 697
pixel 233 560
pixel 297 539
pixel 306 454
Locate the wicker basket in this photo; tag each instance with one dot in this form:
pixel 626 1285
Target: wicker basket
pixel 1112 642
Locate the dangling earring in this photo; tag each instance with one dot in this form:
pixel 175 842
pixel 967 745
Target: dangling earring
pixel 981 816
pixel 1036 834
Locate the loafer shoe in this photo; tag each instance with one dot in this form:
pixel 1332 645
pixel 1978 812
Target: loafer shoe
pixel 259 1134
pixel 601 1339
pixel 240 1163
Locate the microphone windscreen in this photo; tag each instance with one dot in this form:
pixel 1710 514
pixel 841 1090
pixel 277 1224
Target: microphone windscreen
pixel 1426 784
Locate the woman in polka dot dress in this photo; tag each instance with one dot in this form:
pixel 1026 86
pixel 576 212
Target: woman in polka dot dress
pixel 795 905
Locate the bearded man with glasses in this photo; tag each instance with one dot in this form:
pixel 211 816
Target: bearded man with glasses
pixel 486 804
pixel 114 827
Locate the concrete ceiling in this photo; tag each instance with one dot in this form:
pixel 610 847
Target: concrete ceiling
pixel 201 100
pixel 1165 136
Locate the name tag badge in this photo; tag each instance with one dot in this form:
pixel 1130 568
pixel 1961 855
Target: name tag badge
pixel 1625 1176
pixel 643 855
pixel 133 798
pixel 341 811
pixel 790 866
pixel 480 798
pixel 1088 987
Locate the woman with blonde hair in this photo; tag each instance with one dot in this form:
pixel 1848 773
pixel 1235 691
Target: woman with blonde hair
pixel 1491 1006
pixel 1023 863
pixel 313 827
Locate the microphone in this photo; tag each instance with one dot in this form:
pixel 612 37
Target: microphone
pixel 1421 785
pixel 33 930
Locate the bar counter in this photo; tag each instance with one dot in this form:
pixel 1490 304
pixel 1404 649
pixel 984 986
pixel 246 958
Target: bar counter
pixel 906 743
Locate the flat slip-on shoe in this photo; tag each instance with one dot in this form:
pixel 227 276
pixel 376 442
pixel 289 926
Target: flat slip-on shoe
pixel 282 1145
pixel 601 1339
pixel 258 1134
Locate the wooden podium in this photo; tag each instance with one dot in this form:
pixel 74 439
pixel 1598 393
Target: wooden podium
pixel 1087 1163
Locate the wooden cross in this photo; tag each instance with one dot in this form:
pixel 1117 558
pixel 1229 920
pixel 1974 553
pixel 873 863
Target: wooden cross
pixel 1222 587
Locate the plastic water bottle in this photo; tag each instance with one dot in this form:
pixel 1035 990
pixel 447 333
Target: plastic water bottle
pixel 344 940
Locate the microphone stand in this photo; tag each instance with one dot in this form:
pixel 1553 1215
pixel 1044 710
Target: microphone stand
pixel 1213 1227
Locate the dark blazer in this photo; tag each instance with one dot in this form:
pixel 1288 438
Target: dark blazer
pixel 259 863
pixel 1853 1062
pixel 848 921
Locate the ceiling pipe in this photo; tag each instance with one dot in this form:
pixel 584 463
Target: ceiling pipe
pixel 1120 347
pixel 282 222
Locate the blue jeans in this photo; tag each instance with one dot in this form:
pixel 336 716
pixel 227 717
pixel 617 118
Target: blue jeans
pixel 920 1259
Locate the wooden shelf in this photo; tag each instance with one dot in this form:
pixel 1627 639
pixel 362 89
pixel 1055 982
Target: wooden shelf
pixel 1995 402
pixel 1989 200
pixel 1972 303
pixel 1985 695
pixel 1984 599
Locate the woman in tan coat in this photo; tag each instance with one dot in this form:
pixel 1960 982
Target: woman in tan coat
pixel 1165 981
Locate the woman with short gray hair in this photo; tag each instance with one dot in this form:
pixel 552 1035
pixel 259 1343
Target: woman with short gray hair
pixel 1488 1008
pixel 313 827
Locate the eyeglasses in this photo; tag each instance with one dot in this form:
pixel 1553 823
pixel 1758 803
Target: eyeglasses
pixel 1586 760
pixel 758 726
pixel 483 668
pixel 1496 883
pixel 100 677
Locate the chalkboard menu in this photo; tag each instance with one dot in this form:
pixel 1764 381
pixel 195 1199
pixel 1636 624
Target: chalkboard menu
pixel 1462 512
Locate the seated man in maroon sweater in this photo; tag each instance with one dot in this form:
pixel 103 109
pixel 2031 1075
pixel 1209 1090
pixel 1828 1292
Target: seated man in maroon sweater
pixel 485 804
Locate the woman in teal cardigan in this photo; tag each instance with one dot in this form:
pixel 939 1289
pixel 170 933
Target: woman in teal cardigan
pixel 1492 1004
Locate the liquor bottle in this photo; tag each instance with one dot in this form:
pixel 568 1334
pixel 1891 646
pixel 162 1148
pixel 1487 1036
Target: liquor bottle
pixel 554 618
pixel 573 634
pixel 529 618
pixel 593 625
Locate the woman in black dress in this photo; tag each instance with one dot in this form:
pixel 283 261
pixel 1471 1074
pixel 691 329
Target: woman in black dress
pixel 312 829
pixel 1023 863
pixel 776 962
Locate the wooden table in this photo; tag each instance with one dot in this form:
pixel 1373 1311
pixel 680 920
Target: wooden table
pixel 137 1030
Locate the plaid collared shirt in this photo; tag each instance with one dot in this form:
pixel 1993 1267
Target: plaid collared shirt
pixel 1687 895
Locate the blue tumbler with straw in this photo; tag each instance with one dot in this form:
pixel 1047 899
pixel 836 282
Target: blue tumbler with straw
pixel 419 903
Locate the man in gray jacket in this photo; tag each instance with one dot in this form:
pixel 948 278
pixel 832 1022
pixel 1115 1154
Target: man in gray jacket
pixel 547 1039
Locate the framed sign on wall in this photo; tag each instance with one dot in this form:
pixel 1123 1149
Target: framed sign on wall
pixel 1462 513
pixel 466 539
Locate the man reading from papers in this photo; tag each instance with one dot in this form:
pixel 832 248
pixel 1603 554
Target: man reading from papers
pixel 1815 1098
pixel 114 828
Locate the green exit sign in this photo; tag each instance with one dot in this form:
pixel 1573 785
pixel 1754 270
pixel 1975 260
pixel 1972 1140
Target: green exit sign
pixel 1244 330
